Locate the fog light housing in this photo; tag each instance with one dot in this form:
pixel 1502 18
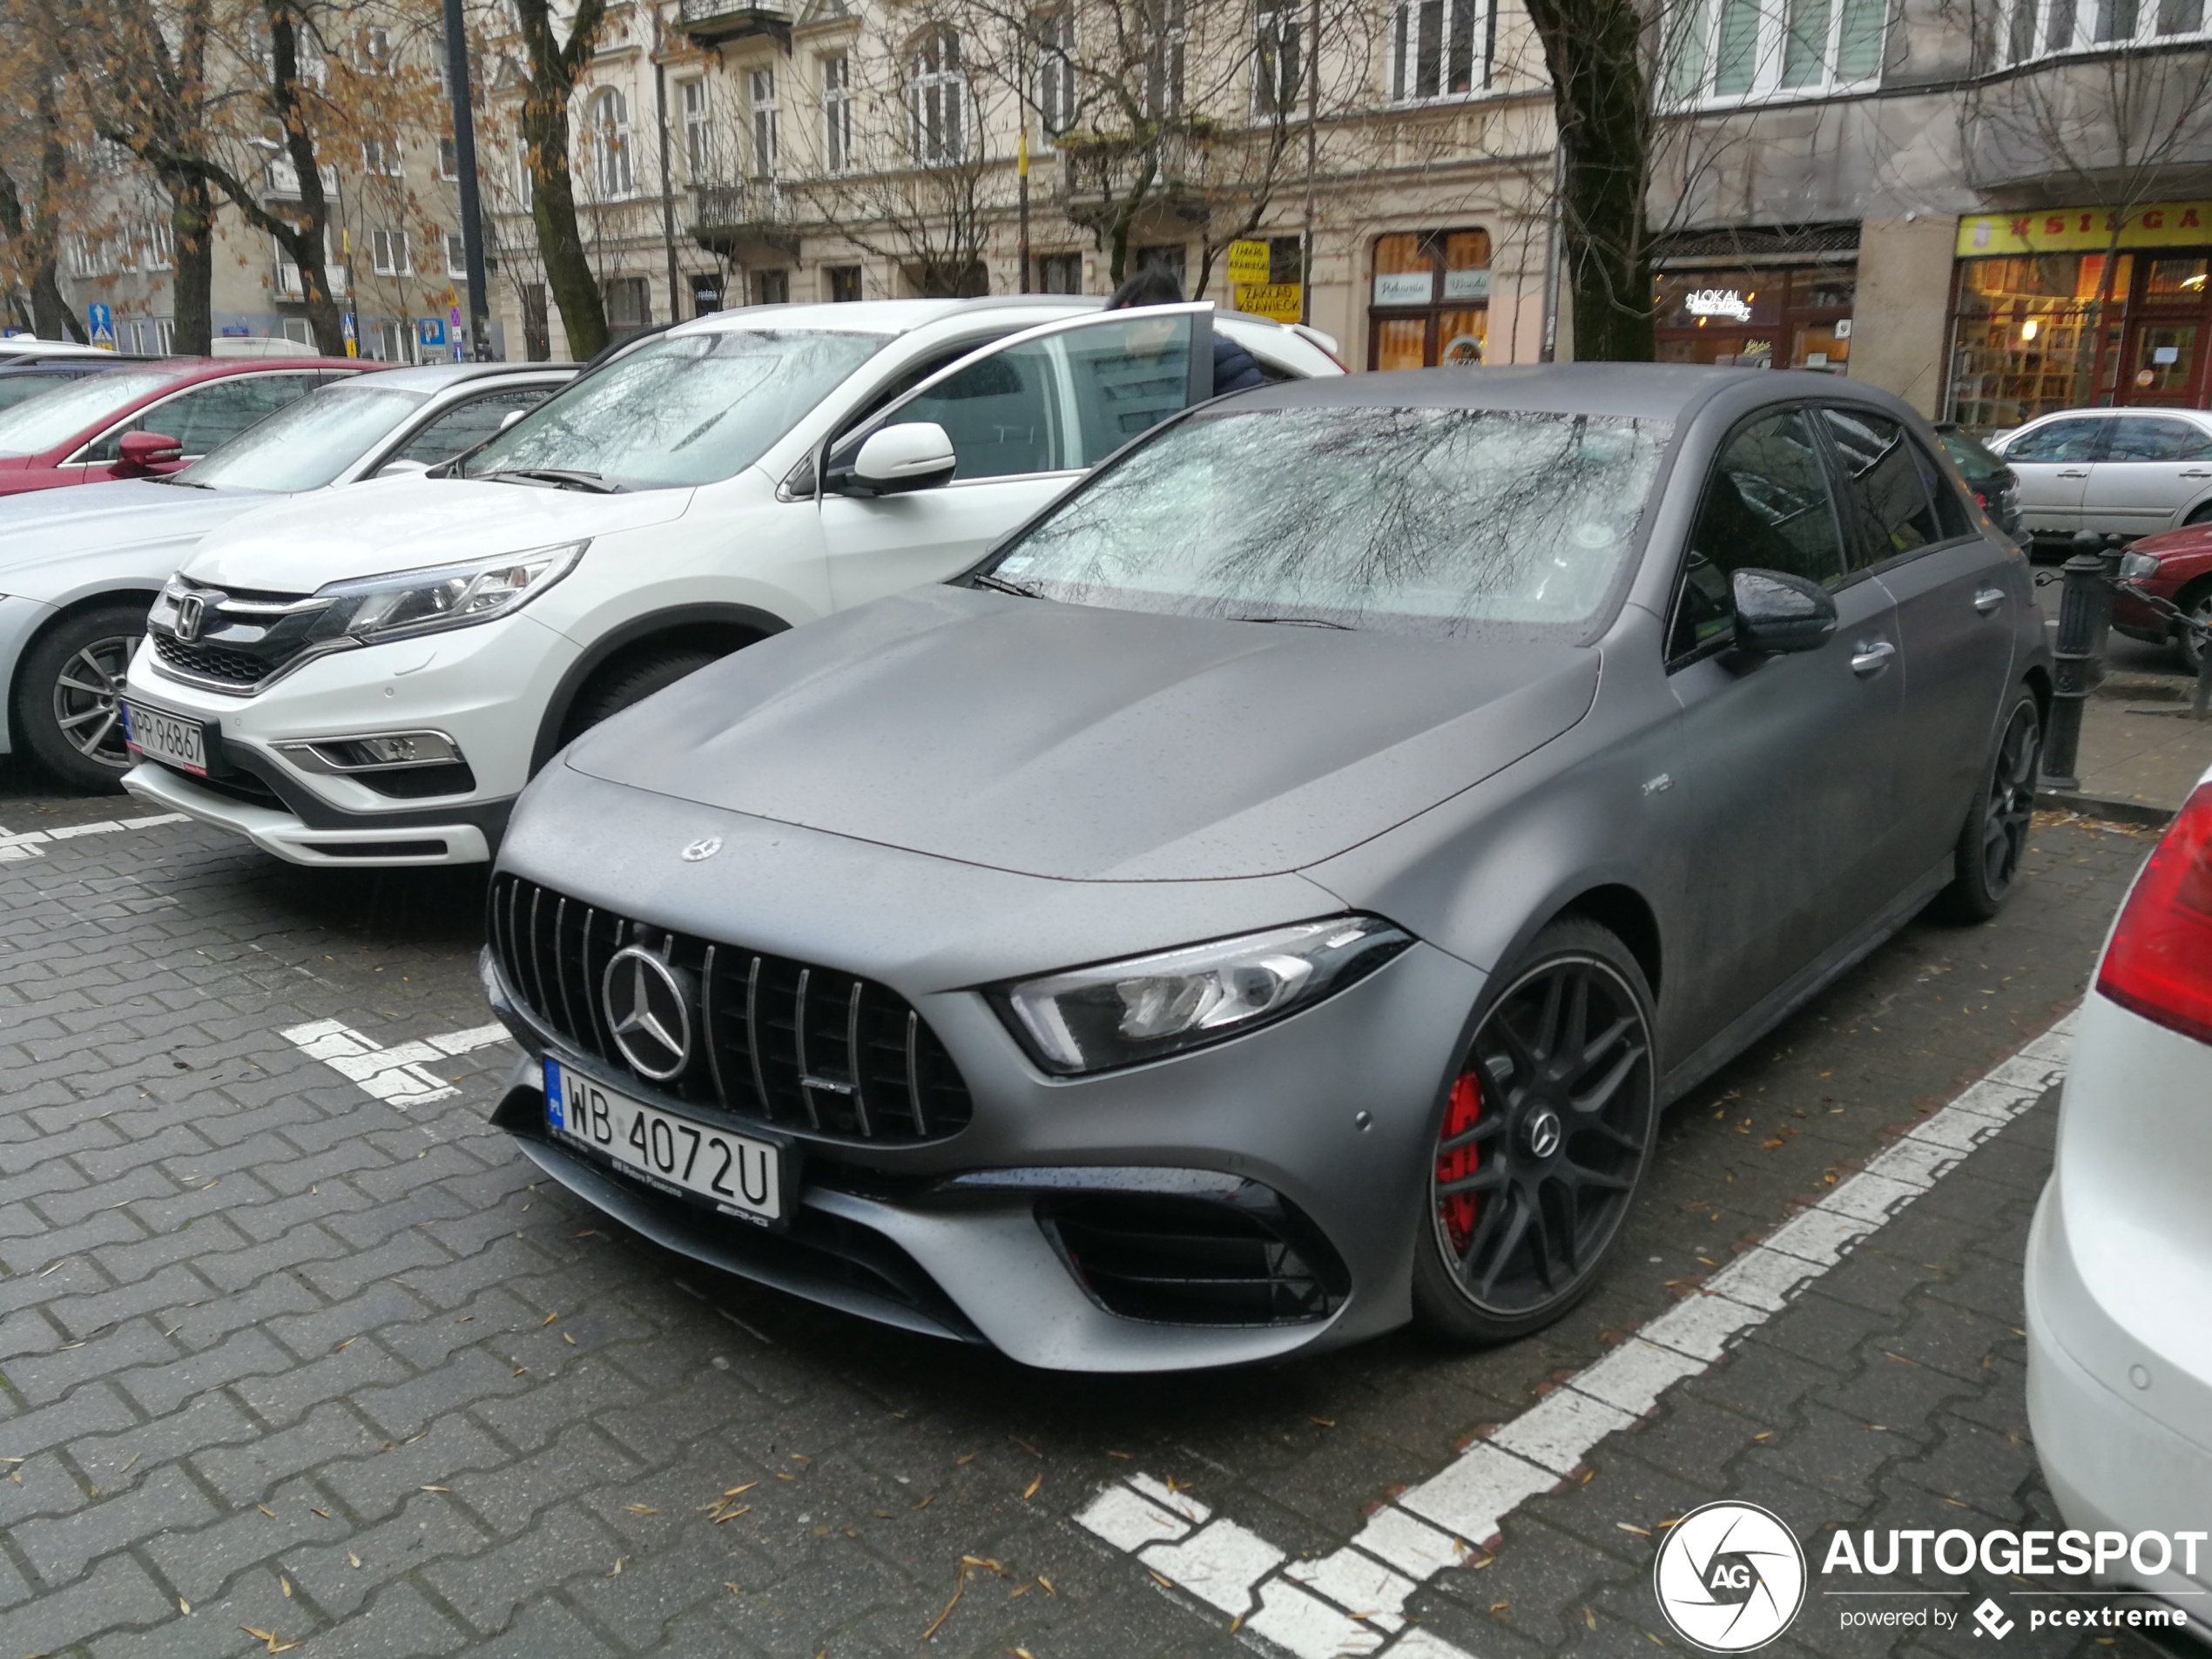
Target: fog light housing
pixel 374 752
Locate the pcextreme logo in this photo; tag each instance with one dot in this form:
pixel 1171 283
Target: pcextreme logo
pixel 1729 1577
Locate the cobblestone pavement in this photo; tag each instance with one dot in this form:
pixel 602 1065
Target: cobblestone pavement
pixel 293 1350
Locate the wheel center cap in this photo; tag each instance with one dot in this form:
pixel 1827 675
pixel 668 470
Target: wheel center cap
pixel 1543 1133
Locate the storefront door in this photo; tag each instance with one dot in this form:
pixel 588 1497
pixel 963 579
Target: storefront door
pixel 2162 359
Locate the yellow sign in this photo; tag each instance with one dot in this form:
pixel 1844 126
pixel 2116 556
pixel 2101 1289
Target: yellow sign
pixel 2085 229
pixel 1248 262
pixel 1276 301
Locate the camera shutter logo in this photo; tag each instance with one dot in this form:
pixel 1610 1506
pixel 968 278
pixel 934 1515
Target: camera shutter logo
pixel 1729 1577
pixel 647 1013
pixel 192 614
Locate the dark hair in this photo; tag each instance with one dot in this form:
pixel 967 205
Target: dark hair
pixel 1155 285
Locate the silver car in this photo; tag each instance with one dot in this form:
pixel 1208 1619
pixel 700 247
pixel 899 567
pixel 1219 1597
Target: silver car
pixel 79 567
pixel 1273 895
pixel 2122 472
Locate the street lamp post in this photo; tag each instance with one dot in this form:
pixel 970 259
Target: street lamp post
pixel 464 157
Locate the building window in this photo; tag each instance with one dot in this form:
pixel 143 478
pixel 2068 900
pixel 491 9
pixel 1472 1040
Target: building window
pixel 2041 28
pixel 630 303
pixel 610 130
pixel 706 293
pixel 1734 51
pixel 1058 103
pixel 1060 273
pixel 1276 63
pixel 700 163
pixel 771 287
pixel 843 283
pixel 937 98
pixel 1164 40
pixel 760 87
pixel 156 336
pixel 448 161
pixel 1171 257
pixel 392 343
pixel 299 331
pixel 388 254
pixel 525 181
pixel 380 158
pixel 1429 302
pixel 160 242
pixel 456 254
pixel 1440 48
pixel 837 112
pixel 373 46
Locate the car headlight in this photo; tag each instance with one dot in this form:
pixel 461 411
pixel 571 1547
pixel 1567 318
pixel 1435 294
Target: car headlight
pixel 2134 567
pixel 1147 1008
pixel 447 596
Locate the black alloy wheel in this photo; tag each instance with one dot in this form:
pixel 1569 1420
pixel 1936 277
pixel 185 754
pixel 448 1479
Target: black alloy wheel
pixel 69 701
pixel 1988 861
pixel 1543 1141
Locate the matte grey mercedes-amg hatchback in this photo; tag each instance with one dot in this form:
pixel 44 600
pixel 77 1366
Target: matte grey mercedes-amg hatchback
pixel 1273 895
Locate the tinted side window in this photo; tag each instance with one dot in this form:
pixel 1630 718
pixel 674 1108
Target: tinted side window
pixel 2060 440
pixel 2143 437
pixel 1766 507
pixel 209 416
pixel 1002 413
pixel 1889 484
pixel 467 425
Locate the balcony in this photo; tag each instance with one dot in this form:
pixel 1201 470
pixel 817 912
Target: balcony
pixel 749 211
pixel 711 21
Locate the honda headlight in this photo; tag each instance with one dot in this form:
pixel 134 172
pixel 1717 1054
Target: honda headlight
pixel 408 603
pixel 1147 1008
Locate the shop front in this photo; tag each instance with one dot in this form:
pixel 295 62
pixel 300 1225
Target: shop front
pixel 1754 317
pixel 2063 309
pixel 1430 303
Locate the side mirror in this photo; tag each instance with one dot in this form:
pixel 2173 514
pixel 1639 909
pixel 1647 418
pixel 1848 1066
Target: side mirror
pixel 510 417
pixel 1778 613
pixel 894 459
pixel 141 451
pixel 399 465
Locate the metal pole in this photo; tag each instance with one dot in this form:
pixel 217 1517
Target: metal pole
pixel 1309 66
pixel 1547 348
pixel 464 156
pixel 2073 658
pixel 1021 172
pixel 667 190
pixel 2200 704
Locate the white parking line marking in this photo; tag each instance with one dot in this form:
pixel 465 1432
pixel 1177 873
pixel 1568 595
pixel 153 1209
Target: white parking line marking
pixel 29 843
pixel 396 1076
pixel 1352 1600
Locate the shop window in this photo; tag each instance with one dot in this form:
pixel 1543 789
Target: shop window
pixel 1429 302
pixel 1777 317
pixel 2026 338
pixel 843 283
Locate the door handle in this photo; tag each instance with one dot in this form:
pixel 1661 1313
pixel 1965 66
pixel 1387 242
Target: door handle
pixel 2073 473
pixel 1871 658
pixel 1989 599
pixel 2196 472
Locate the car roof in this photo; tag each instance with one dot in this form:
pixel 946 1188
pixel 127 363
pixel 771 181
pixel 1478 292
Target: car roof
pixel 435 377
pixel 1647 391
pixel 889 316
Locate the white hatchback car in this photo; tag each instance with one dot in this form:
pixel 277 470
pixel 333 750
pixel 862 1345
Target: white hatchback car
pixel 2119 1258
pixel 374 687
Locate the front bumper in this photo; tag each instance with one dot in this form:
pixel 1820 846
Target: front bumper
pixel 417 838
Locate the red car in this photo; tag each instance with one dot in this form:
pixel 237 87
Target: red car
pixel 139 420
pixel 2174 565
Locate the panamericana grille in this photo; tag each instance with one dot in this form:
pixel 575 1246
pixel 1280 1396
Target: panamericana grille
pixel 780 1042
pixel 237 668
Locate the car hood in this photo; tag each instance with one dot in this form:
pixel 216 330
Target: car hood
pixel 407 524
pixel 1092 745
pixel 127 517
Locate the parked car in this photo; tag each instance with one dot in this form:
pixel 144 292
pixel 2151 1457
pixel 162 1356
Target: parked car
pixel 2177 568
pixel 79 567
pixel 2125 472
pixel 1995 487
pixel 28 348
pixel 2120 1256
pixel 1249 910
pixel 701 489
pixel 138 420
pixel 24 375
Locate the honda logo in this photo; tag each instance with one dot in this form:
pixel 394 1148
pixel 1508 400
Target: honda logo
pixel 192 614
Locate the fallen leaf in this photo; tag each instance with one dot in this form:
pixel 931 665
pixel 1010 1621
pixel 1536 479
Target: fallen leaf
pixel 734 1589
pixel 1769 1146
pixel 182 1606
pixel 966 1459
pixel 352 1559
pixel 739 1492
pixel 347 1343
pixel 434 1488
pixel 635 1508
pixel 265 1510
pixel 926 1501
pixel 1018 1590
pixel 566 1338
pixel 1589 1618
pixel 618 1561
pixel 1122 1455
pixel 325 1513
pixel 742 1509
pixel 1640 1531
pixel 1049 1591
pixel 780 1475
pixel 1032 1491
pixel 285 1584
pixel 1500 1607
pixel 1325 1422
pixel 547 1321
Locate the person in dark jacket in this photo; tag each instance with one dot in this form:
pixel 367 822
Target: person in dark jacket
pixel 1233 368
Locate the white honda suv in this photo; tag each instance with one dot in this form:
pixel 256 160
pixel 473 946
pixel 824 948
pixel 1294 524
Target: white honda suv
pixel 370 678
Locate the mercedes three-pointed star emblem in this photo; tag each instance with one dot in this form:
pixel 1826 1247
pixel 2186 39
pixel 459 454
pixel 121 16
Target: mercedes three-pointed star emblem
pixel 648 1011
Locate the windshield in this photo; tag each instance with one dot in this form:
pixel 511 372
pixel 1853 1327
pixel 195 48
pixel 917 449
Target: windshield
pixel 685 409
pixel 1421 520
pixel 21 389
pixel 305 445
pixel 35 426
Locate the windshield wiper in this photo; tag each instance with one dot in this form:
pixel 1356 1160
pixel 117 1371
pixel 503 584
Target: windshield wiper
pixel 1299 622
pixel 180 481
pixel 560 477
pixel 999 584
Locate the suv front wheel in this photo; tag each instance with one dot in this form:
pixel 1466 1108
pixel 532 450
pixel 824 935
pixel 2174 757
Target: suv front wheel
pixel 68 707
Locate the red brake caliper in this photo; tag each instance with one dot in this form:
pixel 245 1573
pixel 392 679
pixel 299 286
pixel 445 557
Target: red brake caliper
pixel 1457 1209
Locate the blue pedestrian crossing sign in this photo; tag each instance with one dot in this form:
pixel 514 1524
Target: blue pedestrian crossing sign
pixel 351 332
pixel 101 319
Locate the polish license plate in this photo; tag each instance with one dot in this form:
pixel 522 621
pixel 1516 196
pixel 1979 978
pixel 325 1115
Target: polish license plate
pixel 165 738
pixel 737 1173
